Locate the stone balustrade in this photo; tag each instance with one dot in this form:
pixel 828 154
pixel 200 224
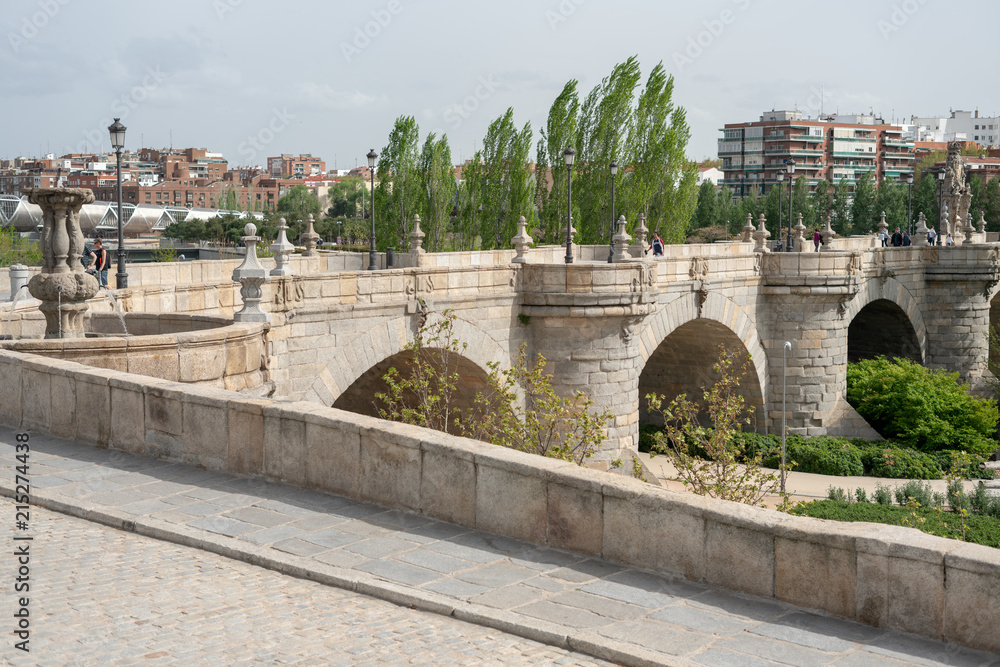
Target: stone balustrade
pixel 885 576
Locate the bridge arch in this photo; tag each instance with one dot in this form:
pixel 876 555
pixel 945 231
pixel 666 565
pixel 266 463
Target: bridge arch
pixel 884 320
pixel 679 345
pixel 360 365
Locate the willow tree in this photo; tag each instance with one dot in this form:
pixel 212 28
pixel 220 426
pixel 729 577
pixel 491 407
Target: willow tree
pixel 397 195
pixel 498 185
pixel 558 134
pixel 437 192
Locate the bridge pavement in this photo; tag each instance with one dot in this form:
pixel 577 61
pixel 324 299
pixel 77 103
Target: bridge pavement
pixel 567 601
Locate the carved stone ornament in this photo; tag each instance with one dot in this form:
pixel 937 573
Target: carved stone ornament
pixel 931 255
pixel 702 297
pixel 289 292
pixel 842 303
pixel 629 327
pixel 771 264
pixel 699 268
pixel 758 265
pixel 251 276
pixel 854 266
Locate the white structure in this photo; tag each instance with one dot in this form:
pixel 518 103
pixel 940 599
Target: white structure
pixel 713 174
pixel 960 126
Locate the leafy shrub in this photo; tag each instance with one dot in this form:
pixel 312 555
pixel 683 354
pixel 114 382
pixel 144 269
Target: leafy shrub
pixel 882 495
pixel 860 495
pixel 957 500
pixel 921 492
pixel 836 494
pixel 900 463
pixel 928 410
pixel 15 249
pixel 984 504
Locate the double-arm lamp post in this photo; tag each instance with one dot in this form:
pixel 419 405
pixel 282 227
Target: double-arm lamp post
pixel 117 132
pixel 790 168
pixel 568 156
pixel 909 202
pixel 614 219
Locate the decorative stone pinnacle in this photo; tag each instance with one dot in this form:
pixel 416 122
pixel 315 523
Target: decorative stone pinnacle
pixel 641 231
pixel 748 229
pixel 251 276
pixel 309 238
pixel 621 241
pixel 883 226
pixel 800 230
pixel 761 235
pixel 522 241
pixel 827 234
pixel 282 250
pixel 982 223
pixel 921 230
pixel 969 229
pixel 416 236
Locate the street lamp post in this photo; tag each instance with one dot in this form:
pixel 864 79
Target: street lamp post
pixel 569 155
pixel 372 156
pixel 784 374
pixel 909 202
pixel 614 219
pixel 941 223
pixel 790 168
pixel 781 185
pixel 117 132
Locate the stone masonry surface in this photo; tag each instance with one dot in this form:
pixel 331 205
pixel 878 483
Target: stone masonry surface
pixel 569 601
pixel 104 596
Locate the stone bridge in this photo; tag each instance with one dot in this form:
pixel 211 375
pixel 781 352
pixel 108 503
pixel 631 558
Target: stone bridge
pixel 619 331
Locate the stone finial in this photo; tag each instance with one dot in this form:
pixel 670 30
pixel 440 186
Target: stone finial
pixel 982 223
pixel 828 234
pixel 309 238
pixel 641 231
pixel 522 241
pixel 800 231
pixel 416 236
pixel 944 227
pixel 621 241
pixel 748 229
pixel 251 276
pixel 282 250
pixel 969 229
pixel 921 230
pixel 883 226
pixel 761 235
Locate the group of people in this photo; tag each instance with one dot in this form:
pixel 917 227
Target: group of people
pixel 902 239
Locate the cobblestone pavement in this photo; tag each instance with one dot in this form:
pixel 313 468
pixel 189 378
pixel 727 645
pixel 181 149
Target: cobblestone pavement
pixel 593 606
pixel 104 596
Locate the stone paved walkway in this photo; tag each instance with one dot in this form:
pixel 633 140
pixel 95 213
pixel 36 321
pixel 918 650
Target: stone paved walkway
pixel 104 596
pixel 569 601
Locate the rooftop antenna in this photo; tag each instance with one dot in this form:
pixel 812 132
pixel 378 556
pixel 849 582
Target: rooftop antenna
pixel 821 95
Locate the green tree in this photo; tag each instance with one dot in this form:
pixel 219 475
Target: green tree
pixel 977 190
pixel 726 213
pixel 295 207
pixel 706 214
pixel 840 209
pixel 801 203
pixel 775 207
pixel 499 187
pixel 346 198
pixel 398 193
pixel 437 192
pixel 558 134
pixel 991 204
pixel 863 213
pixel 890 198
pixel 925 200
pixel 820 205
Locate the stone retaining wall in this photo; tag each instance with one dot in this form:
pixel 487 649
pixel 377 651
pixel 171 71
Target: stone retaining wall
pixel 880 575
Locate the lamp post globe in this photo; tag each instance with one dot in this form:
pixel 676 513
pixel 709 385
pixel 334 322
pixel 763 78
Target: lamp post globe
pixel 909 202
pixel 614 219
pixel 568 156
pixel 372 156
pixel 790 168
pixel 117 132
pixel 781 219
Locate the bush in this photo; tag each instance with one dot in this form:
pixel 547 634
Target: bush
pixel 984 504
pixel 921 492
pixel 882 495
pixel 882 461
pixel 928 410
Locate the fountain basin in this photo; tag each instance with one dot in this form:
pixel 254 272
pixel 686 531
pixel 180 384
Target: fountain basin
pixel 197 349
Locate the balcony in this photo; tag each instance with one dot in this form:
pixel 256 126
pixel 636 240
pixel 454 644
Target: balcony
pixel 809 138
pixel 898 144
pixel 898 156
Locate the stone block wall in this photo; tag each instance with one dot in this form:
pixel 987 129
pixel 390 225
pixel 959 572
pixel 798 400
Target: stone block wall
pixel 880 575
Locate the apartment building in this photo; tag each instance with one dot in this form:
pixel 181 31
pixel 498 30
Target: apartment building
pixel 959 126
pixel 295 166
pixel 832 148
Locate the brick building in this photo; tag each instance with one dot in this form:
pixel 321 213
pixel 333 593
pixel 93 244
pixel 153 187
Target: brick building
pixel 833 148
pixel 295 166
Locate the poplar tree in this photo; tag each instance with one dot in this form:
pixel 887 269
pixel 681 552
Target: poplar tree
pixel 863 207
pixel 397 195
pixel 437 191
pixel 558 134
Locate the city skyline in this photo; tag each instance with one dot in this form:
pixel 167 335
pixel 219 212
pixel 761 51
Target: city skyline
pixel 250 80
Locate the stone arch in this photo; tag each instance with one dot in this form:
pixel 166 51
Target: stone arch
pixel 884 310
pixel 697 337
pixel 389 339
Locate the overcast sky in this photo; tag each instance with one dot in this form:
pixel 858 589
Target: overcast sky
pixel 252 78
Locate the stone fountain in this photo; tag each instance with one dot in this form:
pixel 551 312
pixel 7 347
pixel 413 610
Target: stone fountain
pixel 62 286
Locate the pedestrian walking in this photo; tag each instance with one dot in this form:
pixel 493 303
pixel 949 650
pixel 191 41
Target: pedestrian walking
pixel 99 262
pixel 817 239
